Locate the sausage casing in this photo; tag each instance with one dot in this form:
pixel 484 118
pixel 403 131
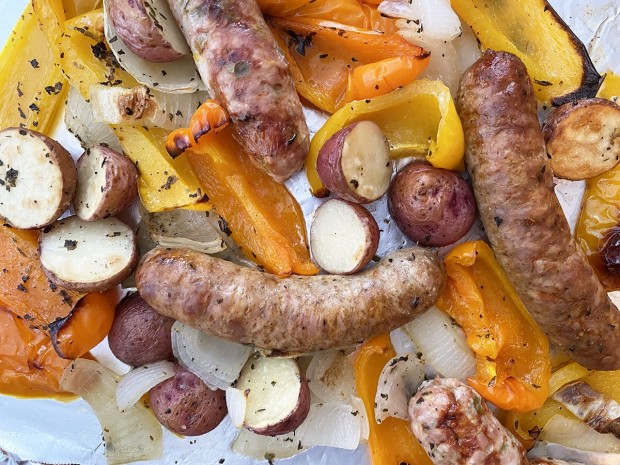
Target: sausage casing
pixel 242 67
pixel 513 186
pixel 293 315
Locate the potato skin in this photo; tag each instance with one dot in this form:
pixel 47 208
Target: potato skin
pixel 136 28
pixel 185 405
pixel 432 206
pixel 139 334
pixel 120 190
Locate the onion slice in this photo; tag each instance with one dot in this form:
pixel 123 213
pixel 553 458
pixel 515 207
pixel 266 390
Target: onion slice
pixel 402 343
pixel 129 436
pixel 80 122
pixel 236 402
pixel 261 447
pixel 432 19
pixel 216 361
pixel 178 77
pixel 332 424
pixel 140 380
pixel 578 435
pixel 549 450
pixel 398 382
pixel 330 375
pixel 442 343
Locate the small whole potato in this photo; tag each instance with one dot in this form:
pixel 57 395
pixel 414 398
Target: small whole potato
pixel 185 405
pixel 139 334
pixel 432 206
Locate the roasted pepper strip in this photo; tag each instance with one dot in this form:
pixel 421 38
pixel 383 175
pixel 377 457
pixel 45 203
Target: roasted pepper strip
pixel 512 353
pixel 610 88
pixel 323 54
pixel 391 442
pixel 265 219
pixel 75 8
pixel 355 13
pixel 163 183
pixel 419 119
pixel 598 228
pixel 32 85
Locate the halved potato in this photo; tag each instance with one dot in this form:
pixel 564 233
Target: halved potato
pixel 583 138
pixel 88 256
pixel 277 395
pixel 107 184
pixel 344 236
pixel 37 178
pixel 355 163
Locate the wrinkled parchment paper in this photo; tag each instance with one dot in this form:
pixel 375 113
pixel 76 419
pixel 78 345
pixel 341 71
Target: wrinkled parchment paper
pixel 51 432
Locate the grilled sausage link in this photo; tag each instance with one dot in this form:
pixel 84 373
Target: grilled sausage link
pixel 298 314
pixel 513 186
pixel 455 426
pixel 242 67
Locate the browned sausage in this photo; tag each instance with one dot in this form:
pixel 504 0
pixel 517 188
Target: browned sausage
pixel 513 186
pixel 242 66
pixel 298 314
pixel 455 427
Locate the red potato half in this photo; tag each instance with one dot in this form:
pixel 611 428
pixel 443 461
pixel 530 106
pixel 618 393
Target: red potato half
pixel 185 405
pixel 88 256
pixel 277 395
pixel 343 237
pixel 583 138
pixel 107 184
pixel 37 178
pixel 432 206
pixel 139 335
pixel 355 163
pixel 151 36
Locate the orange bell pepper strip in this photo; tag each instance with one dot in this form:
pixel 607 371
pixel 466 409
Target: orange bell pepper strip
pixel 265 219
pixel 391 442
pixel 355 13
pixel 512 354
pixel 322 56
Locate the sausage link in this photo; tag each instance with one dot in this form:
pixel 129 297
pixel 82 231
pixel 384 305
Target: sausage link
pixel 293 315
pixel 242 66
pixel 513 186
pixel 455 427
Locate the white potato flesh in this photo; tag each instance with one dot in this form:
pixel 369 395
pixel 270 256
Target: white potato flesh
pixel 92 181
pixel 343 237
pixel 366 161
pixel 37 178
pixel 274 393
pixel 88 255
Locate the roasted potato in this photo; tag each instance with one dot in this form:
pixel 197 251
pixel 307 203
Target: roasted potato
pixel 151 37
pixel 432 206
pixel 185 405
pixel 583 138
pixel 37 178
pixel 139 334
pixel 107 184
pixel 344 236
pixel 88 256
pixel 277 395
pixel 355 163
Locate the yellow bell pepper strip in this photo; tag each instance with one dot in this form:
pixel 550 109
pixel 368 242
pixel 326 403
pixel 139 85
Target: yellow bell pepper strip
pixel 391 442
pixel 527 426
pixel 75 8
pixel 556 60
pixel 598 227
pixel 322 55
pixel 265 219
pixel 163 183
pixel 419 119
pixel 32 86
pixel 610 88
pixel 355 13
pixel 512 353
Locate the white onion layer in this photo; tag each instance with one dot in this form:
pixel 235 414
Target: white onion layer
pixel 216 361
pixel 330 375
pixel 140 380
pixel 236 402
pixel 128 436
pixel 576 434
pixel 431 19
pixel 442 344
pixel 398 382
